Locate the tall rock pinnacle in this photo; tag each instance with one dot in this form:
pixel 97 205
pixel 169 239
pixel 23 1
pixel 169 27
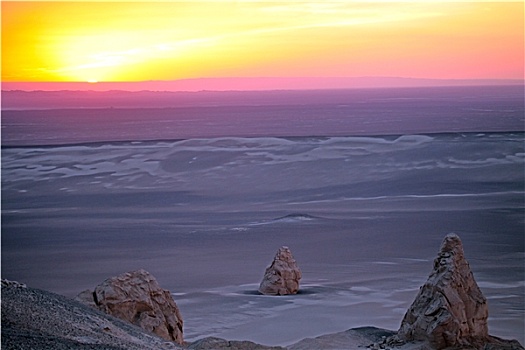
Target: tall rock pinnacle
pixel 450 309
pixel 282 276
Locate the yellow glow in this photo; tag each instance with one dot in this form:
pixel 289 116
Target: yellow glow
pixel 136 41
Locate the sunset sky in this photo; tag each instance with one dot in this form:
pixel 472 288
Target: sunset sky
pixel 142 41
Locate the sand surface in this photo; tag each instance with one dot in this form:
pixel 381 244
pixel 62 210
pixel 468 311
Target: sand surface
pixel 206 216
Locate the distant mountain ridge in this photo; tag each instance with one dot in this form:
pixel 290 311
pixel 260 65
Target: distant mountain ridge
pixel 64 99
pixel 255 84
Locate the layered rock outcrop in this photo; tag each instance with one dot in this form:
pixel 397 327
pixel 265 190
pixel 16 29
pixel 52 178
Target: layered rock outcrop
pixel 282 276
pixel 136 297
pixel 450 309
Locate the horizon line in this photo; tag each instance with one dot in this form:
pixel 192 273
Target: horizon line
pixel 255 84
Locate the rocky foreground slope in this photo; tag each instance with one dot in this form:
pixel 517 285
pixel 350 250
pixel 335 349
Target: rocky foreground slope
pixel 36 319
pixel 449 312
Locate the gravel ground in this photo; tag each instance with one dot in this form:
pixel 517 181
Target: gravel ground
pixel 36 319
pixel 40 320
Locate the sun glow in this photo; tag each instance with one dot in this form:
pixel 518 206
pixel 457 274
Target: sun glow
pixel 137 41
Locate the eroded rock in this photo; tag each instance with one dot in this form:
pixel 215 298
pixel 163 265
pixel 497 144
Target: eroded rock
pixel 450 309
pixel 282 276
pixel 136 297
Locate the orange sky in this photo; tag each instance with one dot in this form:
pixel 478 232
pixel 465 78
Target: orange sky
pixel 139 41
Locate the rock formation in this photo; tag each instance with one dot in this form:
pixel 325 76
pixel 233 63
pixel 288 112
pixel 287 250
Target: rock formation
pixel 282 276
pixel 450 309
pixel 15 284
pixel 213 343
pixel 136 297
pixel 355 338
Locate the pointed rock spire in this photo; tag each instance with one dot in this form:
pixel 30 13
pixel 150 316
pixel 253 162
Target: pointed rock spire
pixel 282 276
pixel 450 309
